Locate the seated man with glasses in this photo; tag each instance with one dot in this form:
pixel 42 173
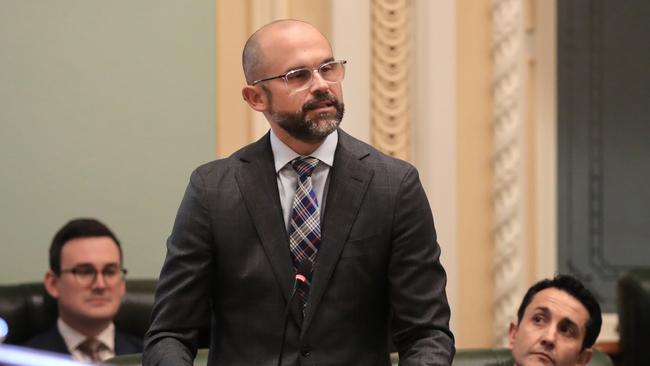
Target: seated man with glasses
pixel 86 278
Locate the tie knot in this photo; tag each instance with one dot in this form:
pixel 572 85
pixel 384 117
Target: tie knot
pixel 90 347
pixel 304 166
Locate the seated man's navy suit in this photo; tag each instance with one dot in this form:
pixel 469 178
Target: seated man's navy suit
pixel 51 340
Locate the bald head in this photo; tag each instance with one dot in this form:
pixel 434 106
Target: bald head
pixel 256 48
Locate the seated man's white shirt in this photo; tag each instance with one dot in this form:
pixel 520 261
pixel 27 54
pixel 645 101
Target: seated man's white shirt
pixel 73 339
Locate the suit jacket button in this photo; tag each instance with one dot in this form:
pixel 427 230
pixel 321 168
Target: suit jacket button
pixel 304 351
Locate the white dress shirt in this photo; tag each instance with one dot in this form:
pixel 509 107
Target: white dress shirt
pixel 73 339
pixel 288 178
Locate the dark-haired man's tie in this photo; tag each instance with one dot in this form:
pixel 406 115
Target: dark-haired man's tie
pixel 304 225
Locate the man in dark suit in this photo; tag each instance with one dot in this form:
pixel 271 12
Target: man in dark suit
pixel 306 206
pixel 86 278
pixel 558 323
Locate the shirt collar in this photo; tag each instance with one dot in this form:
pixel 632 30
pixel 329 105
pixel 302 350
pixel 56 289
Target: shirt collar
pixel 73 338
pixel 282 154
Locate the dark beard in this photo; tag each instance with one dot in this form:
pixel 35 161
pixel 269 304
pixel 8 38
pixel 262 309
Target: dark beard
pixel 311 130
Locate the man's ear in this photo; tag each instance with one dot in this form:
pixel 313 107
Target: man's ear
pixel 255 97
pixel 512 334
pixel 584 357
pixel 51 283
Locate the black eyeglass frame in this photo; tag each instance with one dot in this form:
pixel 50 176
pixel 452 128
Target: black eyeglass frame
pixel 284 76
pixel 75 271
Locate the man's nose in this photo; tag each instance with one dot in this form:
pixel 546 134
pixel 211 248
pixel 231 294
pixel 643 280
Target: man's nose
pixel 548 338
pixel 318 83
pixel 100 281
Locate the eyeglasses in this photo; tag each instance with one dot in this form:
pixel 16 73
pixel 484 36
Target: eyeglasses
pixel 301 79
pixel 86 275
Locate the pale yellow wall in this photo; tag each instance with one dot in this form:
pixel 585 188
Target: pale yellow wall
pixel 531 168
pixel 233 122
pixel 474 312
pixel 316 12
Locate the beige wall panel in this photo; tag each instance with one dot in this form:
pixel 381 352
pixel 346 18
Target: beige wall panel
pixel 531 176
pixel 233 125
pixel 434 127
pixel 351 42
pixel 316 12
pixel 474 312
pixel 545 112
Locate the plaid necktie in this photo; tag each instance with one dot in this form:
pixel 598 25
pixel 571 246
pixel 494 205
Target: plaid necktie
pixel 304 226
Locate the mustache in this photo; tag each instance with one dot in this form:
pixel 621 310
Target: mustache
pixel 320 98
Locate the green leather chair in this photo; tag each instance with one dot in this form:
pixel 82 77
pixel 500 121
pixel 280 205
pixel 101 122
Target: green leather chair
pixel 634 317
pixel 29 310
pixel 136 359
pixel 502 357
pixel 464 357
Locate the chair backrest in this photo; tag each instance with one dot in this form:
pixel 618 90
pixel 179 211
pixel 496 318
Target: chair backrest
pixel 464 357
pixel 483 357
pixel 502 357
pixel 29 310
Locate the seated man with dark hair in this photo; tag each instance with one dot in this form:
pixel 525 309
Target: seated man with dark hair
pixel 86 278
pixel 558 323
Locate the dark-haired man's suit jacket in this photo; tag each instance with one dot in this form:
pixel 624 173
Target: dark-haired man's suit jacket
pixel 51 340
pixel 228 257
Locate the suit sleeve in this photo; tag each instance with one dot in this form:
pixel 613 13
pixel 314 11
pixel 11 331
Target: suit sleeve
pixel 182 304
pixel 417 280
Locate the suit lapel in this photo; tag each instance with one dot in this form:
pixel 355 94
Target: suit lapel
pixel 258 185
pixel 349 180
pixel 58 344
pixel 125 344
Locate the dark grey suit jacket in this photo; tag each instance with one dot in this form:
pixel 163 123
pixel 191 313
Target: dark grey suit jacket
pixel 377 272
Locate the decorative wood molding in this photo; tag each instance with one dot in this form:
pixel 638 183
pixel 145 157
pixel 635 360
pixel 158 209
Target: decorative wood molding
pixel 390 86
pixel 507 20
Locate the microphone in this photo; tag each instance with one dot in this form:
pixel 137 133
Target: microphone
pixel 304 269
